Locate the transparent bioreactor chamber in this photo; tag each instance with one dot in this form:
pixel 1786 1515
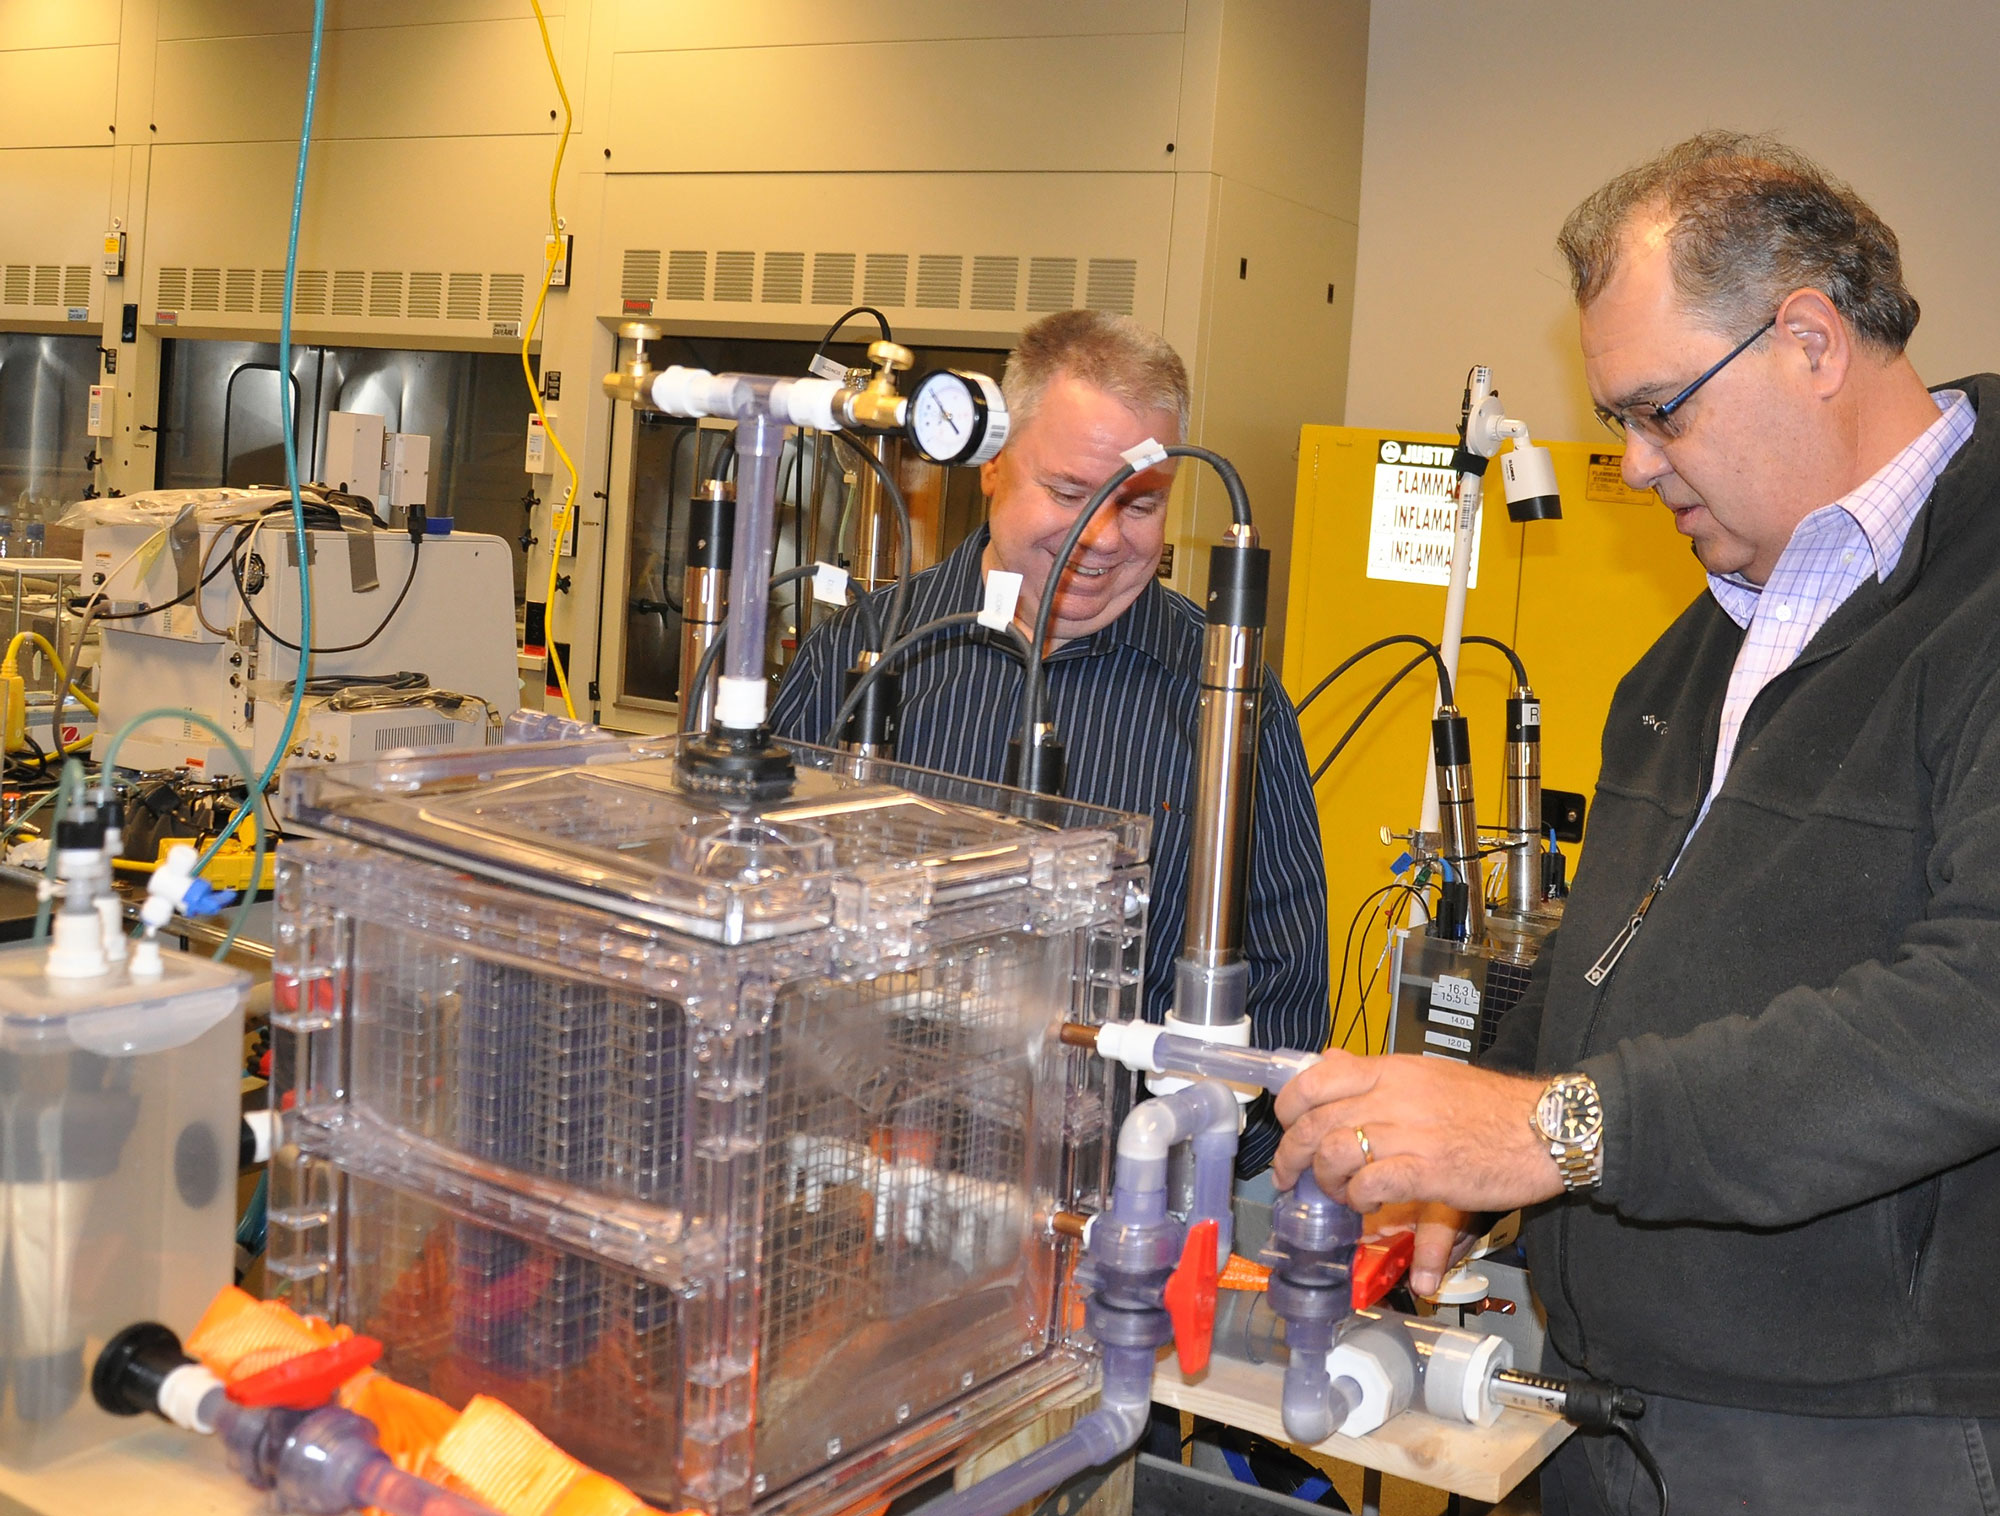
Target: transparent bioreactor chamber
pixel 721 1142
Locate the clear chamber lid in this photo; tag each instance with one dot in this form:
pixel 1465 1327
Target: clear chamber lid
pixel 112 1014
pixel 614 825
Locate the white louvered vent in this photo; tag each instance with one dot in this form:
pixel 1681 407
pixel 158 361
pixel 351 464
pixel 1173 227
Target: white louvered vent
pixel 426 297
pixel 1111 285
pixel 640 279
pixel 271 291
pixel 48 284
pixel 435 734
pixel 886 279
pixel 350 291
pixel 996 283
pixel 687 274
pixel 463 296
pixel 733 271
pixel 76 284
pixel 385 293
pixel 784 278
pixel 173 290
pixel 1051 284
pixel 939 278
pixel 239 289
pixel 833 278
pixel 204 290
pixel 17 283
pixel 309 293
pixel 504 293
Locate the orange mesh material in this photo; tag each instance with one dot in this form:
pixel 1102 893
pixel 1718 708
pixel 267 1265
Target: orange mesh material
pixel 1241 1273
pixel 239 1335
pixel 494 1455
pixel 409 1421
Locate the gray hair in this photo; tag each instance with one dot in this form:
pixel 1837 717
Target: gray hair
pixel 1750 220
pixel 1108 352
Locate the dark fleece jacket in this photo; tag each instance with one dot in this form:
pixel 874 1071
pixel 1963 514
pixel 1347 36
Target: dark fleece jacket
pixel 1799 1052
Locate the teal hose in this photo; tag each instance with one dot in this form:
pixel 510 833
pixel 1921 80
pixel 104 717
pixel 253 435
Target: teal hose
pixel 255 796
pixel 67 788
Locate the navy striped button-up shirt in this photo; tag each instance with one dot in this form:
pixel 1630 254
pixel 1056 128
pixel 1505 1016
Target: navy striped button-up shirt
pixel 1124 702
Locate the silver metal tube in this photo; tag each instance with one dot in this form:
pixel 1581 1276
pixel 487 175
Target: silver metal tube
pixel 1458 825
pixel 874 530
pixel 1521 803
pixel 1212 979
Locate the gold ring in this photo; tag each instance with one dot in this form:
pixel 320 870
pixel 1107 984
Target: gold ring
pixel 1367 1150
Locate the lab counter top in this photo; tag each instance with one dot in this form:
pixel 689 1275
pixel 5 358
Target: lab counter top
pixel 159 1470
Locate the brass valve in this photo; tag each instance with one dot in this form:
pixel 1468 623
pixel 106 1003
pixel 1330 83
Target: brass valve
pixel 878 407
pixel 633 381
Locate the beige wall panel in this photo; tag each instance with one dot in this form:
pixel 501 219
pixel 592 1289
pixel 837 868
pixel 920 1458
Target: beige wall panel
pixel 643 24
pixel 1290 99
pixel 244 18
pixel 1480 140
pixel 57 203
pixel 1273 358
pixel 483 214
pixel 1014 219
pixel 69 23
pixel 58 96
pixel 465 79
pixel 1001 105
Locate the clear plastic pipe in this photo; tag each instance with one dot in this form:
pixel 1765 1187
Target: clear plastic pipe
pixel 1315 1403
pixel 331 1464
pixel 759 443
pixel 1270 1069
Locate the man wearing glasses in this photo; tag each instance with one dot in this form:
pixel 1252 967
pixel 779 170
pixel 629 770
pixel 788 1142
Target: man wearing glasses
pixel 1752 1098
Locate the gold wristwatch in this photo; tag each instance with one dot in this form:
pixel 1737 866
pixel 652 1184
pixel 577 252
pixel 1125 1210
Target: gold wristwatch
pixel 1569 1117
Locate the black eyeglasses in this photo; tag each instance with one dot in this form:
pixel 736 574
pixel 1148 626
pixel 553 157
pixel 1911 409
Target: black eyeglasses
pixel 1656 423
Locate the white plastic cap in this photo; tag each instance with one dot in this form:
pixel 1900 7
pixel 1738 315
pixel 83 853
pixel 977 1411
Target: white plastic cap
pixel 1003 594
pixel 1378 1390
pixel 1129 1043
pixel 807 402
pixel 263 1133
pixel 688 392
pixel 181 1394
pixel 76 950
pixel 740 703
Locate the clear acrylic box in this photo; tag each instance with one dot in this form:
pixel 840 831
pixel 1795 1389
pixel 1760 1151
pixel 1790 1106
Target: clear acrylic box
pixel 723 1144
pixel 118 1144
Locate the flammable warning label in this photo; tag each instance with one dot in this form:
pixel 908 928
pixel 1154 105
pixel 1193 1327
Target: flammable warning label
pixel 1415 514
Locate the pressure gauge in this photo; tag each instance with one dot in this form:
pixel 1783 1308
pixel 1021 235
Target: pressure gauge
pixel 957 417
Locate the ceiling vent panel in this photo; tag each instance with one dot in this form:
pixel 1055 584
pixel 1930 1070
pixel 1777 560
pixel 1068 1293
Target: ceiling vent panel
pixel 886 279
pixel 76 284
pixel 350 286
pixel 463 297
pixel 1051 284
pixel 239 289
pixel 784 278
pixel 940 277
pixel 833 278
pixel 18 282
pixel 640 278
pixel 733 272
pixel 996 283
pixel 426 297
pixel 1112 285
pixel 385 293
pixel 505 294
pixel 687 274
pixel 204 289
pixel 271 292
pixel 309 293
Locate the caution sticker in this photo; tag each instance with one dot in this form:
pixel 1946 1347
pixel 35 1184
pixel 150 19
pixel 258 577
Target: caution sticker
pixel 1603 481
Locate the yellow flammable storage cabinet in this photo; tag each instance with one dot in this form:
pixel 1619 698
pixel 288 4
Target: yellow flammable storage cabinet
pixel 1579 599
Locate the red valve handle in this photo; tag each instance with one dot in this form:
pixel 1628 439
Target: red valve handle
pixel 1377 1267
pixel 1191 1297
pixel 310 1380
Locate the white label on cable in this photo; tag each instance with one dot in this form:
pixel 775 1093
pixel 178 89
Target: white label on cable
pixel 1446 1040
pixel 1003 593
pixel 1531 713
pixel 1454 1018
pixel 1455 994
pixel 829 584
pixel 1144 455
pixel 824 367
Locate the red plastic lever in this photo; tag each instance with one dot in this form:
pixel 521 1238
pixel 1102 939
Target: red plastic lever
pixel 1191 1297
pixel 1377 1267
pixel 310 1380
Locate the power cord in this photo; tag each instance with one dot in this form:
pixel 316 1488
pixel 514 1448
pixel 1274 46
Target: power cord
pixel 1368 710
pixel 236 571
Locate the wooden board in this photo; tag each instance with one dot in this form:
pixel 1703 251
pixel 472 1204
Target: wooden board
pixel 160 1470
pixel 1481 1462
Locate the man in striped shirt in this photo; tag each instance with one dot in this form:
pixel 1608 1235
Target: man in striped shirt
pixel 1123 668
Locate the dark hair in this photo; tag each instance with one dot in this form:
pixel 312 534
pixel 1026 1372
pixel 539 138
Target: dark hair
pixel 1750 220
